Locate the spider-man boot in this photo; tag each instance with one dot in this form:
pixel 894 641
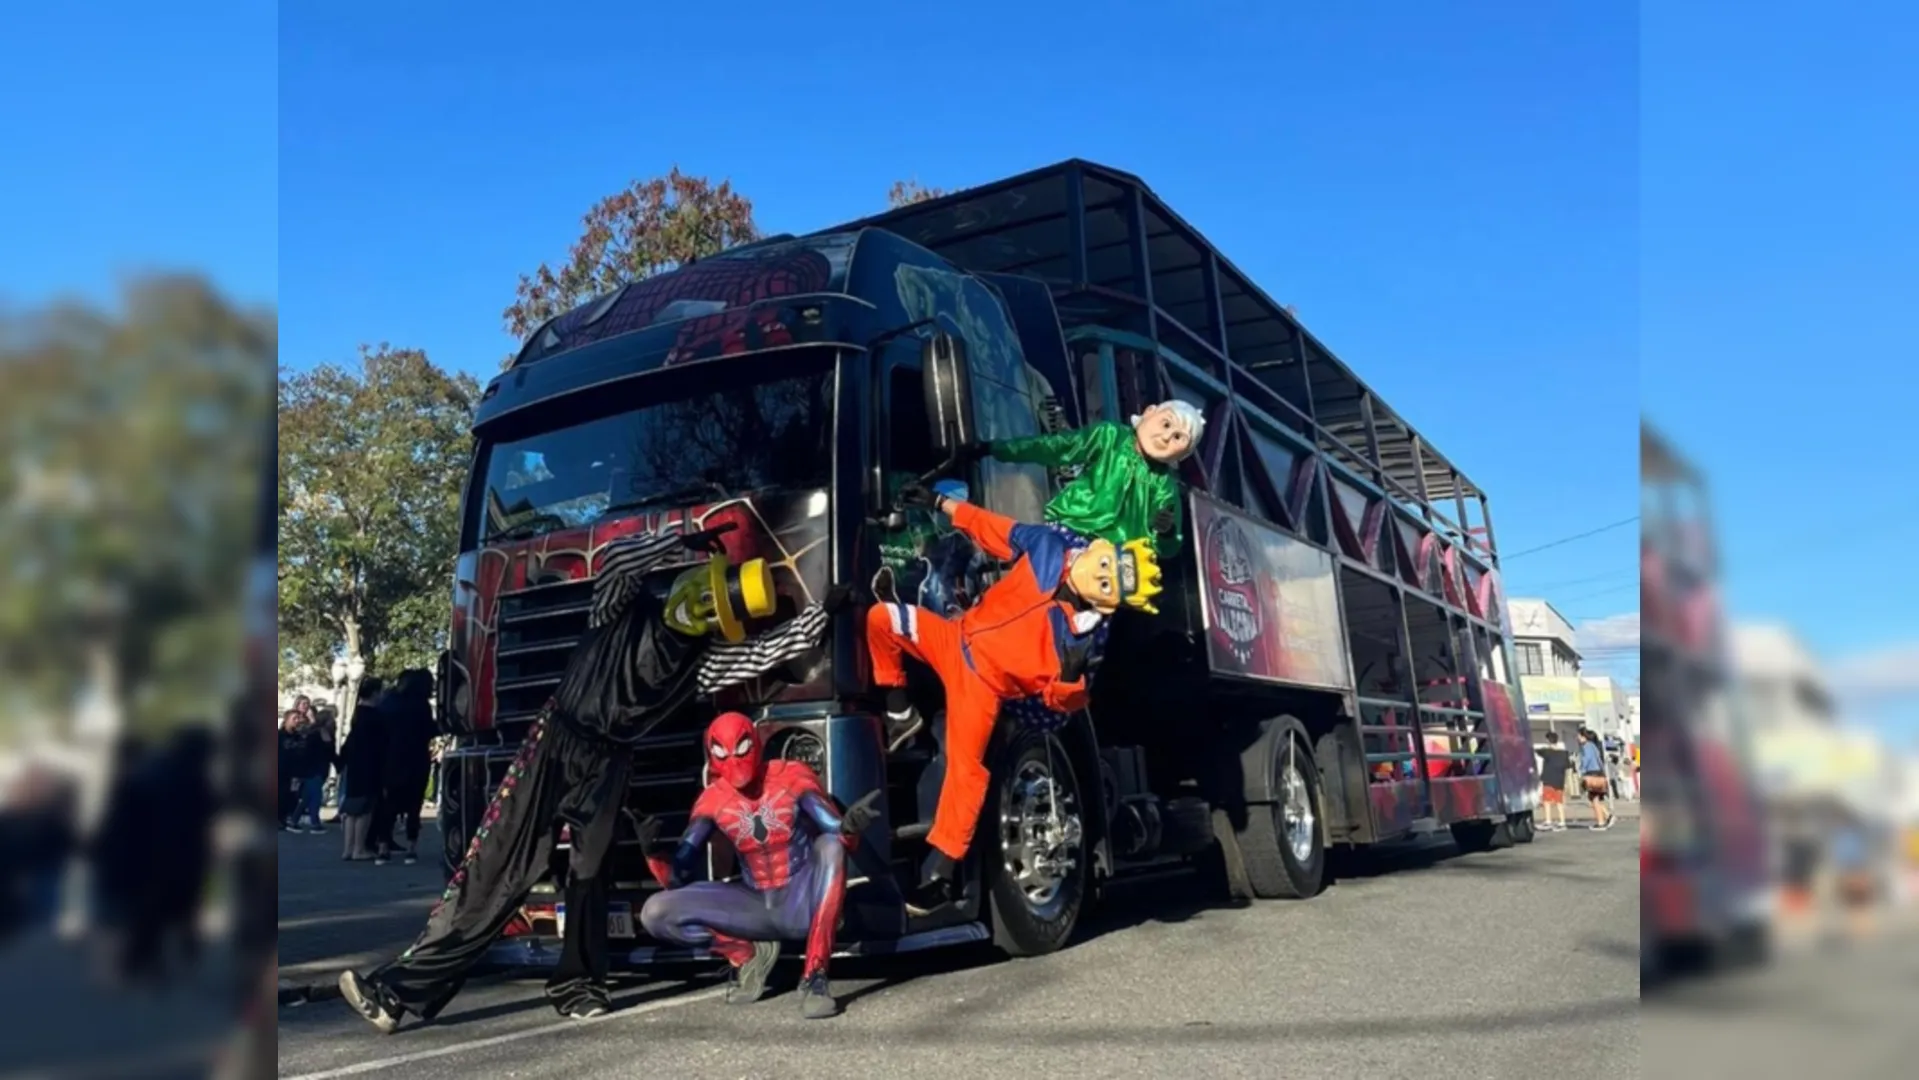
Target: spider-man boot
pixel 816 997
pixel 750 963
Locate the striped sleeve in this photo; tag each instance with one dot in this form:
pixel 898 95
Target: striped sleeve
pixel 726 664
pixel 627 561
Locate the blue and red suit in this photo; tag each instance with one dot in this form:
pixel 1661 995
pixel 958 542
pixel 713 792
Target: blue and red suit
pixel 791 842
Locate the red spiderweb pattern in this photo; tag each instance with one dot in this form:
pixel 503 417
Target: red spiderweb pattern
pixel 749 282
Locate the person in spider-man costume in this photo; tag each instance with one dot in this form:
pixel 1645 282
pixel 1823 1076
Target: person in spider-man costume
pixel 792 846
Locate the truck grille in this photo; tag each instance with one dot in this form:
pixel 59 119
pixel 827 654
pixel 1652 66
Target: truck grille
pixel 538 629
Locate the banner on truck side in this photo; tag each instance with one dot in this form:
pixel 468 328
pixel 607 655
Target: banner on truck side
pixel 1270 601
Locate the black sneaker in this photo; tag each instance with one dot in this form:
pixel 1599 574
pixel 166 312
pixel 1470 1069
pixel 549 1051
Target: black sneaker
pixel 936 887
pixel 748 983
pixel 901 727
pixel 816 998
pixel 589 1005
pixel 366 1000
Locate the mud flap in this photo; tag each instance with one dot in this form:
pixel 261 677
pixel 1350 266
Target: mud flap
pixel 1239 887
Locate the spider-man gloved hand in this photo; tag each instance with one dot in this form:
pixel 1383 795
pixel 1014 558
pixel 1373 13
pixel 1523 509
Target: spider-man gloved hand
pixel 859 815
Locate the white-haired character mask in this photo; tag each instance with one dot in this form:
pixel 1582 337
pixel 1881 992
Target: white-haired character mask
pixel 1170 431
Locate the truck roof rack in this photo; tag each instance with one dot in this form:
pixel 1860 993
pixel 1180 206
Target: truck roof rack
pixel 1076 224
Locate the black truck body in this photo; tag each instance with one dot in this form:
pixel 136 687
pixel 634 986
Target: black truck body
pixel 1331 663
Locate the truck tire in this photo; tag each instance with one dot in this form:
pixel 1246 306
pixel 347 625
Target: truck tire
pixel 1522 828
pixel 1037 866
pixel 1283 843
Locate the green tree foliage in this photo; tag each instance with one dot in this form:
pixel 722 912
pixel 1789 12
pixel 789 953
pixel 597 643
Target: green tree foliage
pixel 130 456
pixel 371 466
pixel 908 192
pixel 650 227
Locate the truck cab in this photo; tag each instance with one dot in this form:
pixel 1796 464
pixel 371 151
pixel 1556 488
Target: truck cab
pixel 1328 668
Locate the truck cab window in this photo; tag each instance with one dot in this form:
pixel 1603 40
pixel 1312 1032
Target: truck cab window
pixel 909 437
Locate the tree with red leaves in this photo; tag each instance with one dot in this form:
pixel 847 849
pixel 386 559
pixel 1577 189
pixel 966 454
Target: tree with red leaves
pixel 908 192
pixel 650 227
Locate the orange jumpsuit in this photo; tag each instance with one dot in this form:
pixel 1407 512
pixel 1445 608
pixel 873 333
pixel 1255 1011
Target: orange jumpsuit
pixel 1008 646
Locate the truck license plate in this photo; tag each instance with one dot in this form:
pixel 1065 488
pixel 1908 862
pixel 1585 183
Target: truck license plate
pixel 619 919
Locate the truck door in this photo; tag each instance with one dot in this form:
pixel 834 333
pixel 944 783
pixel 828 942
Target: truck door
pixel 923 562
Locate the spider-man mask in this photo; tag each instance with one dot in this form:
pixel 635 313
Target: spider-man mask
pixel 733 751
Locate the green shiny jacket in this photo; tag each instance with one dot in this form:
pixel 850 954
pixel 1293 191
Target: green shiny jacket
pixel 1118 490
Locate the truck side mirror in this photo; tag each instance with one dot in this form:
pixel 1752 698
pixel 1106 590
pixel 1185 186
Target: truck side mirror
pixel 949 392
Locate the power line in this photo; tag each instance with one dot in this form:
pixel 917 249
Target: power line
pixel 1570 539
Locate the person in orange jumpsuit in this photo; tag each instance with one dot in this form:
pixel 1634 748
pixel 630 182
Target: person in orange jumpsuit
pixel 1031 635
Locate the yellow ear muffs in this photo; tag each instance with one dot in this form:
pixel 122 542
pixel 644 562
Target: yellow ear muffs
pixel 739 593
pixel 1140 575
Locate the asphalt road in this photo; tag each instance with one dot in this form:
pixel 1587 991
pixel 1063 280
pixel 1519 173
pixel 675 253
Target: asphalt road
pixel 1833 1012
pixel 1427 964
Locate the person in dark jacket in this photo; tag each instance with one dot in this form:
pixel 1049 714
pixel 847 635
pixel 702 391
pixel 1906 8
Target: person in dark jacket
pixel 184 803
pixel 362 764
pixel 316 761
pixel 292 767
pixel 407 714
pixel 125 851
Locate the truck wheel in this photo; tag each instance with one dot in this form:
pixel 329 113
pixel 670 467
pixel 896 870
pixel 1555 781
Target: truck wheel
pixel 1522 828
pixel 1038 863
pixel 1283 843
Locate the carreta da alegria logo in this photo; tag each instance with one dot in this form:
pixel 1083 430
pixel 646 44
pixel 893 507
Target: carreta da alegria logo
pixel 1234 586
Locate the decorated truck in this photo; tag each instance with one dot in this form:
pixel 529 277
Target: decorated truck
pixel 1330 666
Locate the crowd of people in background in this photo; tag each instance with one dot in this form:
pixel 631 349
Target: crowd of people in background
pixel 383 767
pixel 150 855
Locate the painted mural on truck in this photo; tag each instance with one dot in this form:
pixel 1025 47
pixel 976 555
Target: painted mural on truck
pixel 713 301
pixel 1271 602
pixel 519 605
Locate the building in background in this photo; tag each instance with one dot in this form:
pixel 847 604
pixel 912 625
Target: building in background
pixel 1558 697
pixel 1543 639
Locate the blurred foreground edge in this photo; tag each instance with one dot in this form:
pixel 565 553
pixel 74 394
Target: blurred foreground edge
pixel 253 1051
pixel 1706 895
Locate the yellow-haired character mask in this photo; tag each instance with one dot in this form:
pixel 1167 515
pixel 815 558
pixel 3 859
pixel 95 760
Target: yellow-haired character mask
pixel 718 597
pixel 1105 576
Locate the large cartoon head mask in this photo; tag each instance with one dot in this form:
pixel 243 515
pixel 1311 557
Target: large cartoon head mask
pixel 1170 431
pixel 717 597
pixel 733 751
pixel 1106 577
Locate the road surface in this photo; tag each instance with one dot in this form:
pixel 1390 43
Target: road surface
pixel 1512 963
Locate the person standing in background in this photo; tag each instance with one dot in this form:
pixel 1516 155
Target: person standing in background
pixel 407 714
pixel 1554 763
pixel 292 768
pixel 317 761
pixel 1592 774
pixel 362 766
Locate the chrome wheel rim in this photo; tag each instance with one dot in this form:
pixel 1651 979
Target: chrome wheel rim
pixel 1040 833
pixel 1296 813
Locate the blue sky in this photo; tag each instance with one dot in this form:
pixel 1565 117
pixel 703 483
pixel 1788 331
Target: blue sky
pixel 138 137
pixel 1779 231
pixel 1492 216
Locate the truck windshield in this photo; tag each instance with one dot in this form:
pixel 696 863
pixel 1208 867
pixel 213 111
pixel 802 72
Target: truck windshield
pixel 717 442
